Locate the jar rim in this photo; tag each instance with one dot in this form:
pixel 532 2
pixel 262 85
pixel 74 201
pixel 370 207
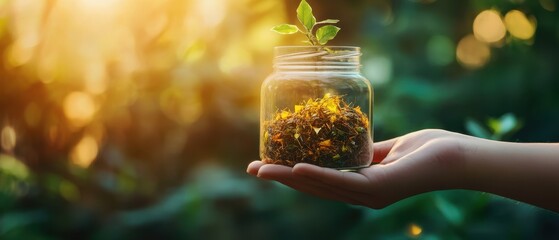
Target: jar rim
pixel 298 52
pixel 317 58
pixel 342 47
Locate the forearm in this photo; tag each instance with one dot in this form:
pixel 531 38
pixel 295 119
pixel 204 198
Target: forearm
pixel 527 172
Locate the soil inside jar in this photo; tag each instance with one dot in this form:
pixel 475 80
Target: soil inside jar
pixel 327 132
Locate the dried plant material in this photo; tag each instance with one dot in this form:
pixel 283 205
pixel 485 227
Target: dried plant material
pixel 326 132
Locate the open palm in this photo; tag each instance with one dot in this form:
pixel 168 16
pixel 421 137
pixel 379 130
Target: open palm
pixel 408 165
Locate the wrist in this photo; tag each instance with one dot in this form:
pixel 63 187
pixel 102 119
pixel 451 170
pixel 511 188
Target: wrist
pixel 485 163
pixel 453 157
pixel 464 161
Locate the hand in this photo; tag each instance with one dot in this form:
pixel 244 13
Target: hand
pixel 418 162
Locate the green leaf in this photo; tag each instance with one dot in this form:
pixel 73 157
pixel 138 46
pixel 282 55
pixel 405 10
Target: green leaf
pixel 476 129
pixel 285 29
pixel 12 166
pixel 494 125
pixel 327 21
pixel 508 123
pixel 304 14
pixel 326 33
pixel 15 220
pixel 450 211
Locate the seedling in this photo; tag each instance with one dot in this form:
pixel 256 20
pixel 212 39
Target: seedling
pixel 315 38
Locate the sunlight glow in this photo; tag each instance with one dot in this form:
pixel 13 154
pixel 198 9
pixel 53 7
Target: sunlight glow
pixel 99 5
pixel 489 27
pixel 193 52
pixel 259 37
pixel 97 57
pixel 184 108
pixel 25 30
pixel 519 25
pixel 95 78
pixel 211 12
pixel 234 57
pixel 92 41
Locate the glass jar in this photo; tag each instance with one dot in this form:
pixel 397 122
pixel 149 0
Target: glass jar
pixel 316 108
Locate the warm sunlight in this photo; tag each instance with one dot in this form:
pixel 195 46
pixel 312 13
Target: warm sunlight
pixel 145 119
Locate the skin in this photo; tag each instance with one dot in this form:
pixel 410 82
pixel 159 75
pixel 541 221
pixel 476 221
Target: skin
pixel 431 160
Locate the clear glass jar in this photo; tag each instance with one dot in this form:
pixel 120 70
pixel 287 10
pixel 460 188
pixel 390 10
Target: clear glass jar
pixel 316 108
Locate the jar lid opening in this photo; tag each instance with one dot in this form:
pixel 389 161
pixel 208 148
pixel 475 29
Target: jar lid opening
pixel 301 57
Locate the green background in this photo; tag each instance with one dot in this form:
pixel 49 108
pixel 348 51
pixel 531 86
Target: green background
pixel 174 135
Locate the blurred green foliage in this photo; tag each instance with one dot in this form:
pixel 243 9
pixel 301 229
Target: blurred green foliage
pixel 174 137
pixel 499 128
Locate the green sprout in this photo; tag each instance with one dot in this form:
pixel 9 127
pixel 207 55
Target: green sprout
pixel 307 19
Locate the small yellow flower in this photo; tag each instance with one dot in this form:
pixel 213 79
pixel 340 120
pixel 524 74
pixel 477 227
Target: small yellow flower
pixel 298 108
pixel 284 114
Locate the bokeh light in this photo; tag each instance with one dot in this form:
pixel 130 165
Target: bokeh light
pixel 79 108
pixel 26 31
pixel 440 50
pixel 414 230
pixel 84 152
pixel 489 27
pixel 378 69
pixel 13 166
pixel 519 25
pixel 548 5
pixel 472 53
pixel 8 138
pixel 68 190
